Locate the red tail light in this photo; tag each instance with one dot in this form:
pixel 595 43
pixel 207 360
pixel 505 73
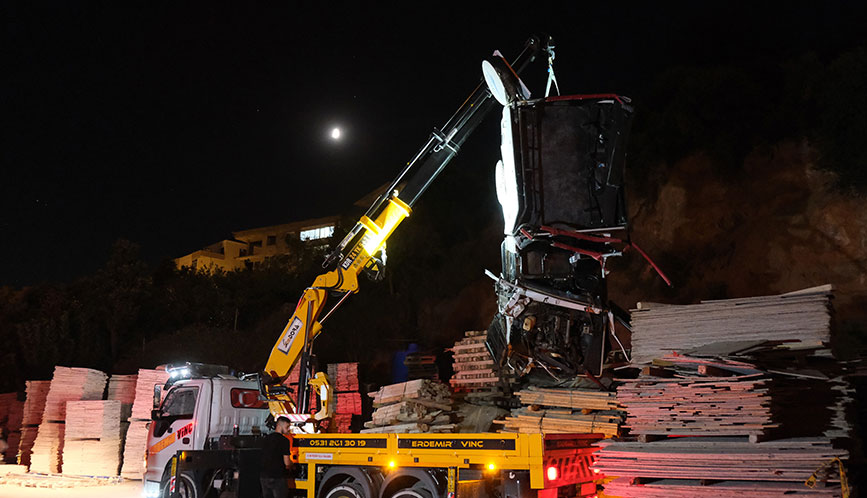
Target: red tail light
pixel 552 473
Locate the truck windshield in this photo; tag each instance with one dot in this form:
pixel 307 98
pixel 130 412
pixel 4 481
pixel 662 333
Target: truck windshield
pixel 180 402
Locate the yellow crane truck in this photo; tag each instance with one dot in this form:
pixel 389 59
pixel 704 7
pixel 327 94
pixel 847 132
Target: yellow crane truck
pixel 496 465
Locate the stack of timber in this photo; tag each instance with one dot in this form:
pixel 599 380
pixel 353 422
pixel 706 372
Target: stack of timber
pixel 45 455
pixel 717 467
pixel 123 389
pixel 562 410
pixel 143 401
pixel 135 440
pixel 67 384
pixel 34 405
pixel 11 413
pixel 476 378
pixel 92 439
pixel 803 316
pixel 420 405
pixel 34 401
pixel 757 426
pixel 344 379
pixel 343 376
pixel 698 397
pixel 71 384
pixel 421 366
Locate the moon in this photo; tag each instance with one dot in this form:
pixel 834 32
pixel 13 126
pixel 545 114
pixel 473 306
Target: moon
pixel 335 133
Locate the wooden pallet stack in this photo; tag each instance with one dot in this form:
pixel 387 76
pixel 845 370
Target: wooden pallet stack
pixel 34 405
pixel 562 410
pixel 420 405
pixel 135 440
pixel 720 467
pixel 11 414
pixel 67 384
pixel 421 365
pixel 34 402
pixel 475 379
pixel 343 376
pixel 71 384
pixel 755 426
pixel 683 396
pixel 92 439
pixel 123 389
pixel 803 316
pixel 45 456
pixel 344 379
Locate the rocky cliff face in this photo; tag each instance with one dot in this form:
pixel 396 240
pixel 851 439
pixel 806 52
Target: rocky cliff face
pixel 776 226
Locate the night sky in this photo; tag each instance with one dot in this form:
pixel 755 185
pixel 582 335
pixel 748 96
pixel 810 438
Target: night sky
pixel 173 125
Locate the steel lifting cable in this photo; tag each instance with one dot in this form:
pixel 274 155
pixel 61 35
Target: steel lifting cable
pixel 551 76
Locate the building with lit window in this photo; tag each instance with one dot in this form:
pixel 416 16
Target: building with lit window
pixel 248 248
pixel 254 246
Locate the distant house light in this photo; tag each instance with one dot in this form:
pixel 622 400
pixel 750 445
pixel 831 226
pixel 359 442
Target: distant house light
pixel 317 233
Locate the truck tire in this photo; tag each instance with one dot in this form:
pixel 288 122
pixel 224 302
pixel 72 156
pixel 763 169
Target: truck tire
pixel 346 490
pixel 349 482
pixel 187 486
pixel 413 483
pixel 418 490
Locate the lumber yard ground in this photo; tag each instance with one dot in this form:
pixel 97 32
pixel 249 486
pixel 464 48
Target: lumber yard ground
pixel 126 489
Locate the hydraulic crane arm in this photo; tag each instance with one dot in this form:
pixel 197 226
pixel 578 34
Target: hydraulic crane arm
pixel 358 251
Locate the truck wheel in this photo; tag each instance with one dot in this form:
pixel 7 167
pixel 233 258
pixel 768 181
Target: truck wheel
pixel 349 482
pixel 419 490
pixel 346 490
pixel 186 486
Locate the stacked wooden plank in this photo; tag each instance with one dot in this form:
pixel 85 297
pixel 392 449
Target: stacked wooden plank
pixel 476 379
pixel 135 444
pixel 92 438
pixel 348 403
pixel 123 389
pixel 11 414
pixel 420 405
pixel 344 381
pixel 562 410
pixel 135 439
pixel 803 316
pixel 143 401
pixel 343 376
pixel 25 445
pixel 45 456
pixel 421 365
pixel 71 384
pixel 731 408
pixel 34 406
pixel 716 467
pixel 711 400
pixel 473 365
pixel 67 384
pixel 34 401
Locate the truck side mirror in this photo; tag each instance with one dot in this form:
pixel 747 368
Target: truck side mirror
pixel 156 415
pixel 158 391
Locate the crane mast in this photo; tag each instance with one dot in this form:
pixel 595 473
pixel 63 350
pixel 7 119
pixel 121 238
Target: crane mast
pixel 361 249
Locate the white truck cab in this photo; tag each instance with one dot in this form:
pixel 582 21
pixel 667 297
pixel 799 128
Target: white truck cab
pixel 202 403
